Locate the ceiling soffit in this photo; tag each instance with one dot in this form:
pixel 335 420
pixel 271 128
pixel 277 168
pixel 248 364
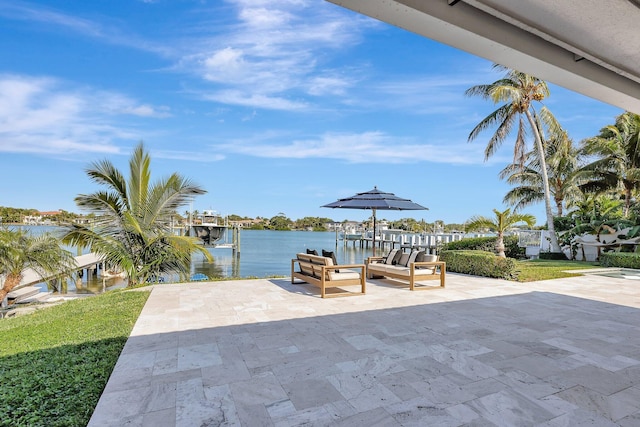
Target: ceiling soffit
pixel 589 46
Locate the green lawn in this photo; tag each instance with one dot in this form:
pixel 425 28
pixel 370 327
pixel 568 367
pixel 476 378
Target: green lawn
pixel 55 362
pixel 543 269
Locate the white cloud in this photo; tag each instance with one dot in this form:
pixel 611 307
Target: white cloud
pixel 276 51
pixel 238 97
pixel 43 115
pixel 116 104
pixel 261 17
pixel 200 156
pixel 49 17
pixel 366 147
pixel 328 85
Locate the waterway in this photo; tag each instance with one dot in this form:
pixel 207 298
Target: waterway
pixel 263 253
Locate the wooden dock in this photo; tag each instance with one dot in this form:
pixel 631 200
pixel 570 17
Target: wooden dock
pixel 430 242
pixel 26 292
pixel 31 277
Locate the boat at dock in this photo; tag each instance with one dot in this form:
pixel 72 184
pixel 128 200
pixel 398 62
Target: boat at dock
pixel 209 227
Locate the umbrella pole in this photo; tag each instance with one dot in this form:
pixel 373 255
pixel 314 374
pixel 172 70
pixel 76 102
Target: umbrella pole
pixel 374 232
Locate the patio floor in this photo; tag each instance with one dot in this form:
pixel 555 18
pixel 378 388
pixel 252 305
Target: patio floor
pixel 481 352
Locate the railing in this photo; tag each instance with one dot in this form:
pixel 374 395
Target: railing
pixel 527 238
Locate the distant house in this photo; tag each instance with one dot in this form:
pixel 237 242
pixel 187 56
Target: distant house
pixel 50 214
pixel 245 223
pixel 32 219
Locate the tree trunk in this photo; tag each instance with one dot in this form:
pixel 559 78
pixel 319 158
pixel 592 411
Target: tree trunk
pixel 10 282
pixel 627 202
pixel 559 206
pixel 555 247
pixel 500 246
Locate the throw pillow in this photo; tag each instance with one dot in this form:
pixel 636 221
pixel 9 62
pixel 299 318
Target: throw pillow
pixel 425 257
pixel 396 259
pixel 431 258
pixel 312 252
pixel 403 260
pixel 332 255
pixel 391 256
pixel 412 258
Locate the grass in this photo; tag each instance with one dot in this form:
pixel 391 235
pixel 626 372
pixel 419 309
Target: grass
pixel 544 269
pixel 55 363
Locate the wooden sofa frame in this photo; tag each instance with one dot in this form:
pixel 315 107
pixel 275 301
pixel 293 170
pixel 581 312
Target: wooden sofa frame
pixel 321 272
pixel 415 274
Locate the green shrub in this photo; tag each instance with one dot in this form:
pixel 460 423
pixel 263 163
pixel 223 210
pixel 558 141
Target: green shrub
pixel 552 255
pixel 488 244
pixel 620 259
pixel 511 248
pixel 472 244
pixel 480 263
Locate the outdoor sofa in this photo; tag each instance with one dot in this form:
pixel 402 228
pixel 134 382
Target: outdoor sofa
pixel 323 272
pixel 411 267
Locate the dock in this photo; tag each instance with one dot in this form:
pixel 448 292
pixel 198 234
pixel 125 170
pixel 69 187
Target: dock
pixel 431 242
pixel 86 261
pixel 26 292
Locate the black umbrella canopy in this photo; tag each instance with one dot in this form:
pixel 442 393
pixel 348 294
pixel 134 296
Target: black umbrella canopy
pixel 374 200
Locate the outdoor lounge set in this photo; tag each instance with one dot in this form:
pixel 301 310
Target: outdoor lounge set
pixel 413 267
pixel 324 272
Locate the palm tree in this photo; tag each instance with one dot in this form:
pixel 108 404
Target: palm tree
pixel 501 223
pixel 618 165
pixel 518 91
pixel 132 229
pixel 563 165
pixel 596 215
pixel 20 250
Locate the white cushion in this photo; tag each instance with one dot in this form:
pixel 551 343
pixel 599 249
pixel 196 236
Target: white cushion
pixel 396 269
pixel 343 275
pixel 391 255
pixel 412 257
pixel 403 260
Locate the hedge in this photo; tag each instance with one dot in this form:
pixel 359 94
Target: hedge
pixel 619 259
pixel 480 263
pixel 488 244
pixel 552 255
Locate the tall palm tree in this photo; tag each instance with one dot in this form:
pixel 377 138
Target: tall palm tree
pixel 563 159
pixel 19 250
pixel 133 225
pixel 517 91
pixel 618 164
pixel 501 223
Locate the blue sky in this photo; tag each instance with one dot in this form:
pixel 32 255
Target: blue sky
pixel 271 106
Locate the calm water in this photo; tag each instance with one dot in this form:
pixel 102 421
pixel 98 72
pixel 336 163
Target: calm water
pixel 269 253
pixel 262 254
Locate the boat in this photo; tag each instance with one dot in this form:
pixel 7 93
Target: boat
pixel 352 233
pixel 352 236
pixel 209 227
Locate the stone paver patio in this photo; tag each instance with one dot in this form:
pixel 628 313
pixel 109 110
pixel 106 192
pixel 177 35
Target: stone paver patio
pixel 481 352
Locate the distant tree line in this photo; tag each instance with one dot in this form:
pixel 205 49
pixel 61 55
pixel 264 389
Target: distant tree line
pixel 280 221
pixel 9 215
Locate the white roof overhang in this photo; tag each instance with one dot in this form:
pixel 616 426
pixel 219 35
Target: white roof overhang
pixel 589 46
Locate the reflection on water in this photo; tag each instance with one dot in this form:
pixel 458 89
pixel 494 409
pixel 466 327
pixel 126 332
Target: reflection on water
pixel 262 254
pixel 88 284
pixel 222 266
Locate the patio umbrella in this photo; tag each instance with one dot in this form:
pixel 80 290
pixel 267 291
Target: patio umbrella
pixel 375 200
